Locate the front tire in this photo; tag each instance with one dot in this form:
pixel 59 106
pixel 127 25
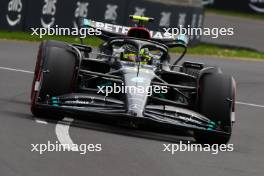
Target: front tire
pixel 54 74
pixel 216 101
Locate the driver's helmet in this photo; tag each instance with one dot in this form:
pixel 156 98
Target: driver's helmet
pixel 130 54
pixel 145 56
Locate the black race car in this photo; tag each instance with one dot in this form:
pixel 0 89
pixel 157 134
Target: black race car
pixel 132 79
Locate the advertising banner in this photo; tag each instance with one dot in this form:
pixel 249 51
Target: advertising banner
pixel 23 15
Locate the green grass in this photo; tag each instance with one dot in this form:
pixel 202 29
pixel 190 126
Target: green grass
pixel 235 14
pixel 27 36
pixel 202 49
pixel 221 51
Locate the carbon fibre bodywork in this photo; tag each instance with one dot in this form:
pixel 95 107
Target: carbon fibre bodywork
pixel 174 110
pixel 131 61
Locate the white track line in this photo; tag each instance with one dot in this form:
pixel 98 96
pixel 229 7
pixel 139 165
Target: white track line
pixel 16 70
pixel 62 133
pixel 30 72
pixel 41 121
pixel 249 104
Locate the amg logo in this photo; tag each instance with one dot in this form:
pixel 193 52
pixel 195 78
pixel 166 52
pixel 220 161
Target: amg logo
pixel 91 101
pixel 186 119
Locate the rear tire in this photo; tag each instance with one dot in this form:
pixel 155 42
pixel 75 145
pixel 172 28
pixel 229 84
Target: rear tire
pixel 215 96
pixel 55 73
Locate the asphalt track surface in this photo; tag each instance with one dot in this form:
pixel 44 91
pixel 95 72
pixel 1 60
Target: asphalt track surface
pixel 248 33
pixel 125 152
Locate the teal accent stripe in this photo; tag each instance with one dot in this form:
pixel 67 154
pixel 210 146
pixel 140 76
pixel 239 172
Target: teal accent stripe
pixel 86 22
pixel 209 129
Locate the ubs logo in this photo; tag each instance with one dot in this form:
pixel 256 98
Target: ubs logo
pixel 257 5
pixel 14 9
pixel 49 9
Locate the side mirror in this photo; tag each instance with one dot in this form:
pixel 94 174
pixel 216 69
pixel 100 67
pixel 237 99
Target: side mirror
pixel 179 41
pixel 182 40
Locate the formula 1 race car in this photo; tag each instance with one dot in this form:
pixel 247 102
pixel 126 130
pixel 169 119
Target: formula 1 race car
pixel 131 78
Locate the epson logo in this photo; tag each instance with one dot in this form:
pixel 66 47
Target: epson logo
pixel 49 8
pixel 257 5
pixel 16 7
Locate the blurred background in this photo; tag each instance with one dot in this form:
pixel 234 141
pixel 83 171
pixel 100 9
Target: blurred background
pixel 129 152
pixel 245 16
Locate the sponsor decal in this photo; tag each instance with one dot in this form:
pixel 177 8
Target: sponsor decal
pixel 138 79
pixel 110 13
pixel 182 19
pixel 49 9
pixel 124 29
pixel 193 24
pixel 165 19
pixel 14 9
pixel 80 102
pixel 139 11
pixel 134 106
pixel 257 5
pixel 80 11
pixel 200 25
